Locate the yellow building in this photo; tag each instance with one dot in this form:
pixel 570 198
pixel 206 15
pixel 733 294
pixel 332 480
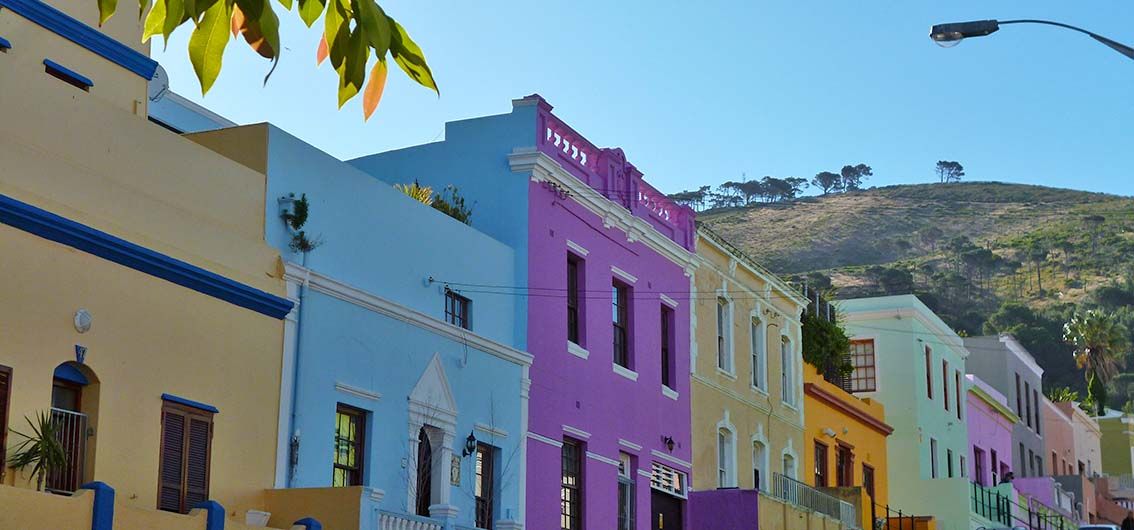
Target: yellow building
pixel 848 443
pixel 142 308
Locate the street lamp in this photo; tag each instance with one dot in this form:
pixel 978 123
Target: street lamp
pixel 949 35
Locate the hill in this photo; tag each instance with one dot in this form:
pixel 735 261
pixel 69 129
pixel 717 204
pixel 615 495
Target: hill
pixel 987 256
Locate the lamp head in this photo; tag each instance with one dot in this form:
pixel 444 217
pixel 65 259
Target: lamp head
pixel 949 35
pixel 470 444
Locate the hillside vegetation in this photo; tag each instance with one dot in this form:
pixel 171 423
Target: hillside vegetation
pixel 988 257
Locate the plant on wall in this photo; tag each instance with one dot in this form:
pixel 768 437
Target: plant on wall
pixel 417 192
pixel 1062 395
pixel 453 205
pixel 295 219
pixel 825 344
pixel 41 450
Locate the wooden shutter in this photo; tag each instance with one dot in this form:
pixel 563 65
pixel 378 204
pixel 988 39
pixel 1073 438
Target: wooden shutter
pixel 186 442
pixel 5 397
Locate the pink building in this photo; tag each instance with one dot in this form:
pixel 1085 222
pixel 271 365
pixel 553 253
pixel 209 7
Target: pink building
pixel 990 424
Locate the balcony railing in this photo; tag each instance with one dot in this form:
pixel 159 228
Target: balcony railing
pixel 401 521
pixel 799 494
pixel 71 429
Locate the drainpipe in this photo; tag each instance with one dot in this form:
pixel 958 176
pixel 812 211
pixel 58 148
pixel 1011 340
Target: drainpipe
pixel 293 445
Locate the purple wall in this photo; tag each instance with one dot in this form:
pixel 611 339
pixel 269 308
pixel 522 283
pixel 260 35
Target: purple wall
pixel 587 395
pixel 989 431
pixel 724 509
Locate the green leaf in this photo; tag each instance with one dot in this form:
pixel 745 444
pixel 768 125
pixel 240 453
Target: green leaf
pixel 174 17
pixel 262 33
pixel 336 29
pixel 410 58
pixel 376 24
pixel 309 10
pixel 106 10
pixel 286 4
pixel 154 21
pixel 206 45
pixel 352 73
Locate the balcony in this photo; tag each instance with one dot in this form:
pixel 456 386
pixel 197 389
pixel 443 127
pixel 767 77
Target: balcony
pixel 799 494
pixel 71 430
pixel 401 521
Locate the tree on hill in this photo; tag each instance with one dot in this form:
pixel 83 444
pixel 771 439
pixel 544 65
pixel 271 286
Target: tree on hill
pixel 949 171
pixel 1094 225
pixel 1101 345
pixel 1037 254
pixel 827 181
pixel 930 235
pixel 852 176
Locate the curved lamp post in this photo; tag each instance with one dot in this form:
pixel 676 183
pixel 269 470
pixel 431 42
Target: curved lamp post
pixel 949 35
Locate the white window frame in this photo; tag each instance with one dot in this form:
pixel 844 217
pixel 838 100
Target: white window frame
pixel 760 461
pixel 788 389
pixel 726 360
pixel 758 339
pixel 726 457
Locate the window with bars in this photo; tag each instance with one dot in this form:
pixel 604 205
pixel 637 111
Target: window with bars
pixel 350 430
pixel 484 486
pixel 458 309
pixel 820 464
pixel 668 366
pixel 571 485
pixel 864 378
pixel 620 317
pixel 574 305
pixel 186 450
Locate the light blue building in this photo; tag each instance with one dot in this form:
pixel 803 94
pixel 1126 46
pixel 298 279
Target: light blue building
pixel 410 396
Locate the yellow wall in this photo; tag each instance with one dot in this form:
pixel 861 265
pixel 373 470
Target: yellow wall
pixel 753 413
pixel 868 443
pixel 86 157
pixel 780 515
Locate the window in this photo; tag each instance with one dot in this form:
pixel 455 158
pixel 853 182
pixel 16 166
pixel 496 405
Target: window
pixel 350 430
pixel 724 341
pixel 759 454
pixel 726 459
pixel 424 487
pixel 484 487
pixel 787 372
pixel 186 443
pixel 964 468
pixel 1023 461
pixel 868 480
pixel 457 309
pixel 668 365
pixel 820 464
pixel 957 391
pixel 1027 403
pixel 619 296
pixel 574 307
pixel 789 466
pixel 1082 469
pixel 844 466
pixel 864 376
pixel 759 354
pixel 1036 463
pixel 945 383
pixel 932 458
pixel 928 372
pixel 1055 463
pixel 571 486
pixel 626 510
pixel 993 467
pixel 5 397
pixel 978 462
pixel 949 463
pixel 1019 405
pixel 1036 408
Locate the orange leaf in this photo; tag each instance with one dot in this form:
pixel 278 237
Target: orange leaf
pixel 321 54
pixel 374 88
pixel 237 19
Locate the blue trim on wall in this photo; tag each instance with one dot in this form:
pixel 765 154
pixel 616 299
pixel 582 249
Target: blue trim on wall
pixel 189 403
pixel 90 38
pixel 68 372
pixel 4 44
pixel 310 523
pixel 74 76
pixel 61 230
pixel 215 518
pixel 102 511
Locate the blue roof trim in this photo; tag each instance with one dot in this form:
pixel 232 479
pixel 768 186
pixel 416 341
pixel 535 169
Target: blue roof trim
pixel 189 403
pixel 68 372
pixel 90 38
pixel 61 230
pixel 67 72
pixel 4 44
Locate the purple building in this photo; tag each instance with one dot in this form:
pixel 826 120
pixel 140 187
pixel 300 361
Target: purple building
pixel 602 294
pixel 990 433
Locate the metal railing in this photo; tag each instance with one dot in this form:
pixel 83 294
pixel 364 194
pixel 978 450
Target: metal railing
pixel 886 517
pixel 1033 515
pixel 799 494
pixel 990 504
pixel 71 430
pixel 401 521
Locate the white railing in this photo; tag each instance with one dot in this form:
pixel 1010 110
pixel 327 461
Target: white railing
pixel 1124 482
pixel 401 521
pixel 71 429
pixel 1064 501
pixel 799 494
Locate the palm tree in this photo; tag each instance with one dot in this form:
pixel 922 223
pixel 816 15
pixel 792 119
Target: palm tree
pixel 41 450
pixel 1101 345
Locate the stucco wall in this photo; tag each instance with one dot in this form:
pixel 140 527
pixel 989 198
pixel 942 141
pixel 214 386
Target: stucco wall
pixel 1059 439
pixel 1117 443
pixel 998 360
pixel 990 430
pixel 754 414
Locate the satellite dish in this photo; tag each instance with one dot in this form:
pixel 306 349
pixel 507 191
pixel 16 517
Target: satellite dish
pixel 159 85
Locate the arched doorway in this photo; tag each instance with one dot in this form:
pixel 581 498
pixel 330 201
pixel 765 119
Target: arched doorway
pixel 74 406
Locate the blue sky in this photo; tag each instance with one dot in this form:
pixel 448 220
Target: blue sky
pixel 703 92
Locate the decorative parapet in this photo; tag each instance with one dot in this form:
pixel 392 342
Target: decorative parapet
pixel 610 174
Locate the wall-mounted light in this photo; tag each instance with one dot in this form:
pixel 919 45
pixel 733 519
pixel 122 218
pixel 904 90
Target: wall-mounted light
pixel 470 444
pixel 82 320
pixel 829 432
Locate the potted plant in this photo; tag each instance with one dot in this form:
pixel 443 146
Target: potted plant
pixel 41 450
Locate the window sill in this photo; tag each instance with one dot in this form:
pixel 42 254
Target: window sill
pixel 577 351
pixel 669 393
pixel 625 372
pixel 730 375
pixel 791 406
pixel 758 390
